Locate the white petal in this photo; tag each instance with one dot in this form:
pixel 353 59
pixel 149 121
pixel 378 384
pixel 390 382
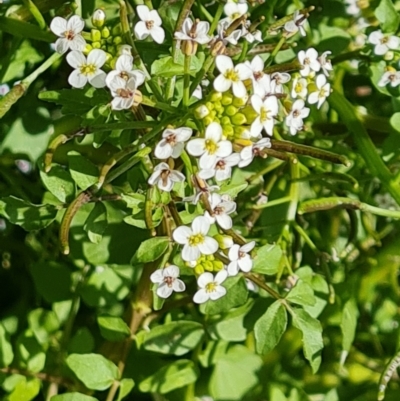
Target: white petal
pixel 163 150
pixel 190 253
pixel 214 132
pixel 223 63
pixel 256 128
pixel 221 276
pixel 393 42
pixel 183 134
pixel 139 77
pixel 238 89
pixel 77 43
pixel 221 84
pixel 154 16
pixel 110 76
pixel 224 149
pixel 75 59
pixel 243 71
pixel 165 185
pixel 257 64
pixel 164 290
pixel 380 49
pixel 154 177
pixel 233 268
pixel 116 82
pixel 257 103
pixel 187 26
pixel 313 98
pixel 171 271
pixel 76 79
pixel 141 30
pixel 75 24
pixel 61 45
pixel 98 80
pixel 157 276
pixel 234 252
pixel 204 279
pixel 375 37
pixel 200 225
pixel 124 63
pixel 158 34
pixel 207 161
pixel 181 234
pixel 321 81
pixel 58 26
pixel 143 12
pixel 209 246
pixel 176 176
pixel 97 57
pixel 245 263
pixel 177 150
pixel 196 147
pixel 218 293
pixel 224 221
pixel 178 286
pixel 248 247
pixel 201 296
pixel 205 174
pixel 118 103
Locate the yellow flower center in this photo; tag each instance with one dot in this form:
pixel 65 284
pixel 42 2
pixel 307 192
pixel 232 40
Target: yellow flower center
pixel 384 40
pixel 264 114
pixel 69 35
pixel 211 146
pixel 211 287
pixel 298 87
pixel 322 93
pixel 196 239
pixel 88 69
pixel 231 75
pixel 235 16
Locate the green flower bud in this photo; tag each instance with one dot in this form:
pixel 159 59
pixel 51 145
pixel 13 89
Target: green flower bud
pixel 239 119
pixel 109 40
pixel 201 112
pixel 227 99
pixel 249 113
pixel 225 120
pixel 199 270
pixel 228 130
pixel 95 35
pixel 231 110
pixel 116 30
pixel 117 40
pixel 208 265
pixel 216 96
pixel 218 265
pixel 87 49
pixel 210 106
pixel 218 107
pixel 224 241
pixel 208 120
pixel 240 101
pixel 241 132
pixel 112 50
pixel 98 18
pixel 105 33
pixel 96 45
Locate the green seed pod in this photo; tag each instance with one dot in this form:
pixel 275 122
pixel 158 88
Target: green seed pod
pixel 239 119
pixel 105 33
pixel 95 35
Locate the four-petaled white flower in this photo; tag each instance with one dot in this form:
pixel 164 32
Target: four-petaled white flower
pixel 294 120
pixel 249 152
pixel 123 92
pixel 210 287
pixel 149 24
pixel 172 143
pixel 326 64
pixel 87 69
pixel 261 81
pixel 168 281
pixel 234 10
pixel 383 43
pixel 124 69
pixel 194 240
pixel 392 77
pixel 266 109
pixel 296 24
pixel 231 76
pixel 222 168
pixel 299 88
pixel 277 81
pixel 195 32
pixel 322 92
pixel 210 147
pixel 69 33
pixel 164 177
pixel 240 258
pixel 232 38
pixel 251 36
pixel 309 61
pixel 221 208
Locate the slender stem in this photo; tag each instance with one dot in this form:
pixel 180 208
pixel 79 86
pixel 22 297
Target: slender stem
pixel 197 79
pixel 272 203
pixel 216 19
pixel 41 376
pixel 276 50
pixel 294 191
pixel 186 81
pixel 47 64
pixel 272 166
pixel 262 285
pixel 30 5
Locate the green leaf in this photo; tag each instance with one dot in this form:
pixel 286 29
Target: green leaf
pixel 125 387
pixel 302 294
pixel 387 15
pixel 96 223
pixel 73 397
pixel 82 342
pixel 28 216
pixel 166 67
pixel 170 377
pixel 134 202
pixel 333 39
pixel 348 323
pixel 267 259
pixel 233 189
pixel 25 390
pixel 83 171
pixel 93 370
pixel 236 295
pixel 31 355
pixel 269 328
pixel 395 121
pixel 43 323
pixel 6 351
pixel 113 328
pixel 59 182
pixel 237 367
pixel 150 250
pixel 175 338
pixel 312 336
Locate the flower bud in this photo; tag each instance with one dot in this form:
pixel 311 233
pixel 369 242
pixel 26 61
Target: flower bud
pixel 216 96
pixel 95 35
pixel 225 120
pixel 199 269
pixel 96 45
pixel 137 98
pixel 117 40
pixel 189 47
pixel 208 120
pixel 240 101
pixel 239 119
pixel 227 99
pixel 88 48
pixel 116 30
pixel 201 112
pixel 210 106
pixel 231 110
pixel 124 49
pixel 227 130
pixel 98 18
pixel 105 33
pixel 388 56
pixel 224 241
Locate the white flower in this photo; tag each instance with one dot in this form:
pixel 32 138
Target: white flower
pixel 383 43
pixel 164 177
pixel 266 109
pixel 309 61
pixel 235 10
pixel 231 76
pixel 352 7
pixel 277 81
pixel 249 152
pixel 124 49
pixel 252 36
pixel 123 69
pixel 222 168
pixel 123 92
pixel 168 281
pixel 210 147
pixel 392 77
pixel 69 33
pixel 296 24
pixel 261 82
pixel 87 69
pixel 299 88
pixel 326 64
pixel 295 118
pixel 210 287
pixel 232 38
pixel 240 258
pixel 220 211
pixel 149 24
pixel 194 240
pixel 4 89
pixel 196 32
pixel 322 92
pixel 172 143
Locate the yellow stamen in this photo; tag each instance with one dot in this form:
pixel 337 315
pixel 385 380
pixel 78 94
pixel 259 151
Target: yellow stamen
pixel 196 239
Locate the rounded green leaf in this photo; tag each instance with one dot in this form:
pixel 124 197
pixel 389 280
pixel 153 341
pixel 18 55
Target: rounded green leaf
pixel 6 351
pixel 113 328
pixel 73 397
pixel 151 249
pixel 267 259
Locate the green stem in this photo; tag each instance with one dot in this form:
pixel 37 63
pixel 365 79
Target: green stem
pixel 47 64
pixel 30 5
pixel 364 144
pixel 276 50
pixel 272 203
pixel 197 79
pixel 266 170
pixel 186 81
pixel 205 12
pixel 294 191
pixel 158 105
pixel 216 19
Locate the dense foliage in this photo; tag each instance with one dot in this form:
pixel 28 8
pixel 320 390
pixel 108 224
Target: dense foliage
pixel 199 200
